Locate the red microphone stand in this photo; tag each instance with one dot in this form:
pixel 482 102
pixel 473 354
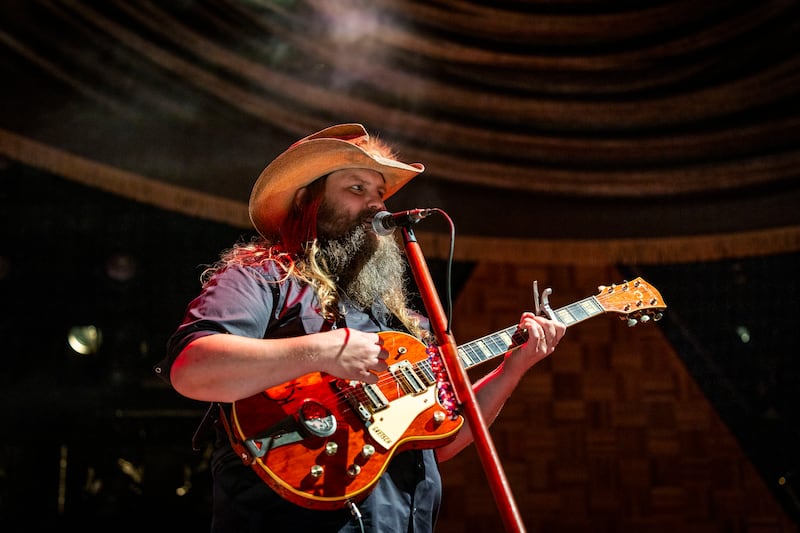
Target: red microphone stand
pixel 461 385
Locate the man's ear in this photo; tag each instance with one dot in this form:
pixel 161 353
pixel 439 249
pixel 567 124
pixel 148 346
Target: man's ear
pixel 300 197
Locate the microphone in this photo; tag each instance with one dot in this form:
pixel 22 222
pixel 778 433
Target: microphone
pixel 384 222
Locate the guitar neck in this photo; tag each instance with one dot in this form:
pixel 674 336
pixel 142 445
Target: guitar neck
pixel 496 344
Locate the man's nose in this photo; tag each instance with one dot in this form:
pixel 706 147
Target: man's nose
pixel 376 204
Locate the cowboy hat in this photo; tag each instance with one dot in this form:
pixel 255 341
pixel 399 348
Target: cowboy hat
pixel 334 148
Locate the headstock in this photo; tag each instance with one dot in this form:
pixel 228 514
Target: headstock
pixel 635 301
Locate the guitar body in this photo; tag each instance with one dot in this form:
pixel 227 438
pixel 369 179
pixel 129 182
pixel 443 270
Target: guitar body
pixel 321 442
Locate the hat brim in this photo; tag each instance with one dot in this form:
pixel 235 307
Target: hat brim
pixel 274 191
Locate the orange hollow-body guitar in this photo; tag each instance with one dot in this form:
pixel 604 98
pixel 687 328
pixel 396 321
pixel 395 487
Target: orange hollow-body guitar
pixel 322 442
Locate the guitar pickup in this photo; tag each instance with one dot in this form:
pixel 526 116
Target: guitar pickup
pixel 376 398
pixel 407 377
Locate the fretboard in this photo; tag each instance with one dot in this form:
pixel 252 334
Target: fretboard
pixel 496 344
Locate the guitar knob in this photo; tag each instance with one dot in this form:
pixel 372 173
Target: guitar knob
pixel 316 471
pixel 353 470
pixel 331 448
pixel 368 451
pixel 438 417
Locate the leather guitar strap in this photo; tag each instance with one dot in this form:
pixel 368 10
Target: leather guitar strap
pixel 236 443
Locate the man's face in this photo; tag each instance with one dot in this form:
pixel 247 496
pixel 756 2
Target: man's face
pixel 352 197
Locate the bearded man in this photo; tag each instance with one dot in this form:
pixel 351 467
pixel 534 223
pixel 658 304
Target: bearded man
pixel 310 297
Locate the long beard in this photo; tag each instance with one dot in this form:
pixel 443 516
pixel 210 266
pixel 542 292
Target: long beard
pixel 367 267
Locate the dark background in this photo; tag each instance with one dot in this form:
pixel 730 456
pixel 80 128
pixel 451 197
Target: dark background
pixel 661 137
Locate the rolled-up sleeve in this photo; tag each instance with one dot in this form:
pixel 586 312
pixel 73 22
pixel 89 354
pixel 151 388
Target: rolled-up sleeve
pixel 236 300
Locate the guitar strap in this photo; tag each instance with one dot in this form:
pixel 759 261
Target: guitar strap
pixel 215 415
pixel 237 445
pixel 209 419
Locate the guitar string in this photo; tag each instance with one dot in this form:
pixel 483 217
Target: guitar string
pixel 385 380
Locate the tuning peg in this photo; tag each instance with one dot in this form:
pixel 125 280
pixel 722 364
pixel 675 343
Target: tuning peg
pixel 632 322
pixel 645 318
pixel 658 316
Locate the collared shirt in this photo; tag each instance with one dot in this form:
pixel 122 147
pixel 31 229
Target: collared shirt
pixel 252 302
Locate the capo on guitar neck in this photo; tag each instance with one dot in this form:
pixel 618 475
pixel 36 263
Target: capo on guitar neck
pixel 542 306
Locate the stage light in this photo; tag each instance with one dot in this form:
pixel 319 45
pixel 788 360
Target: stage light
pixel 743 333
pixel 85 340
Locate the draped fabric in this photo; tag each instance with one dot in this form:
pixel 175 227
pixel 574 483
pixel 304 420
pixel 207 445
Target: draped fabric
pixel 568 125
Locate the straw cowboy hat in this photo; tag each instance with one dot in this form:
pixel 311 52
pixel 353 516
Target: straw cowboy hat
pixel 317 155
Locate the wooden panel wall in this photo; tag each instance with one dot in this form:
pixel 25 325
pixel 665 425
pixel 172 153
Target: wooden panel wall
pixel 610 434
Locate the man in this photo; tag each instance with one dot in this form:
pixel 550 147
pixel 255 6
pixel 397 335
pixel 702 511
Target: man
pixel 310 296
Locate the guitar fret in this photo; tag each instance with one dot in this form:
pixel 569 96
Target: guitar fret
pixel 499 343
pixel 507 335
pixel 483 349
pixel 579 311
pixel 566 315
pixel 470 354
pixel 478 351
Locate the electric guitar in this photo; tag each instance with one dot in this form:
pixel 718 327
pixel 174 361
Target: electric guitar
pixel 322 442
